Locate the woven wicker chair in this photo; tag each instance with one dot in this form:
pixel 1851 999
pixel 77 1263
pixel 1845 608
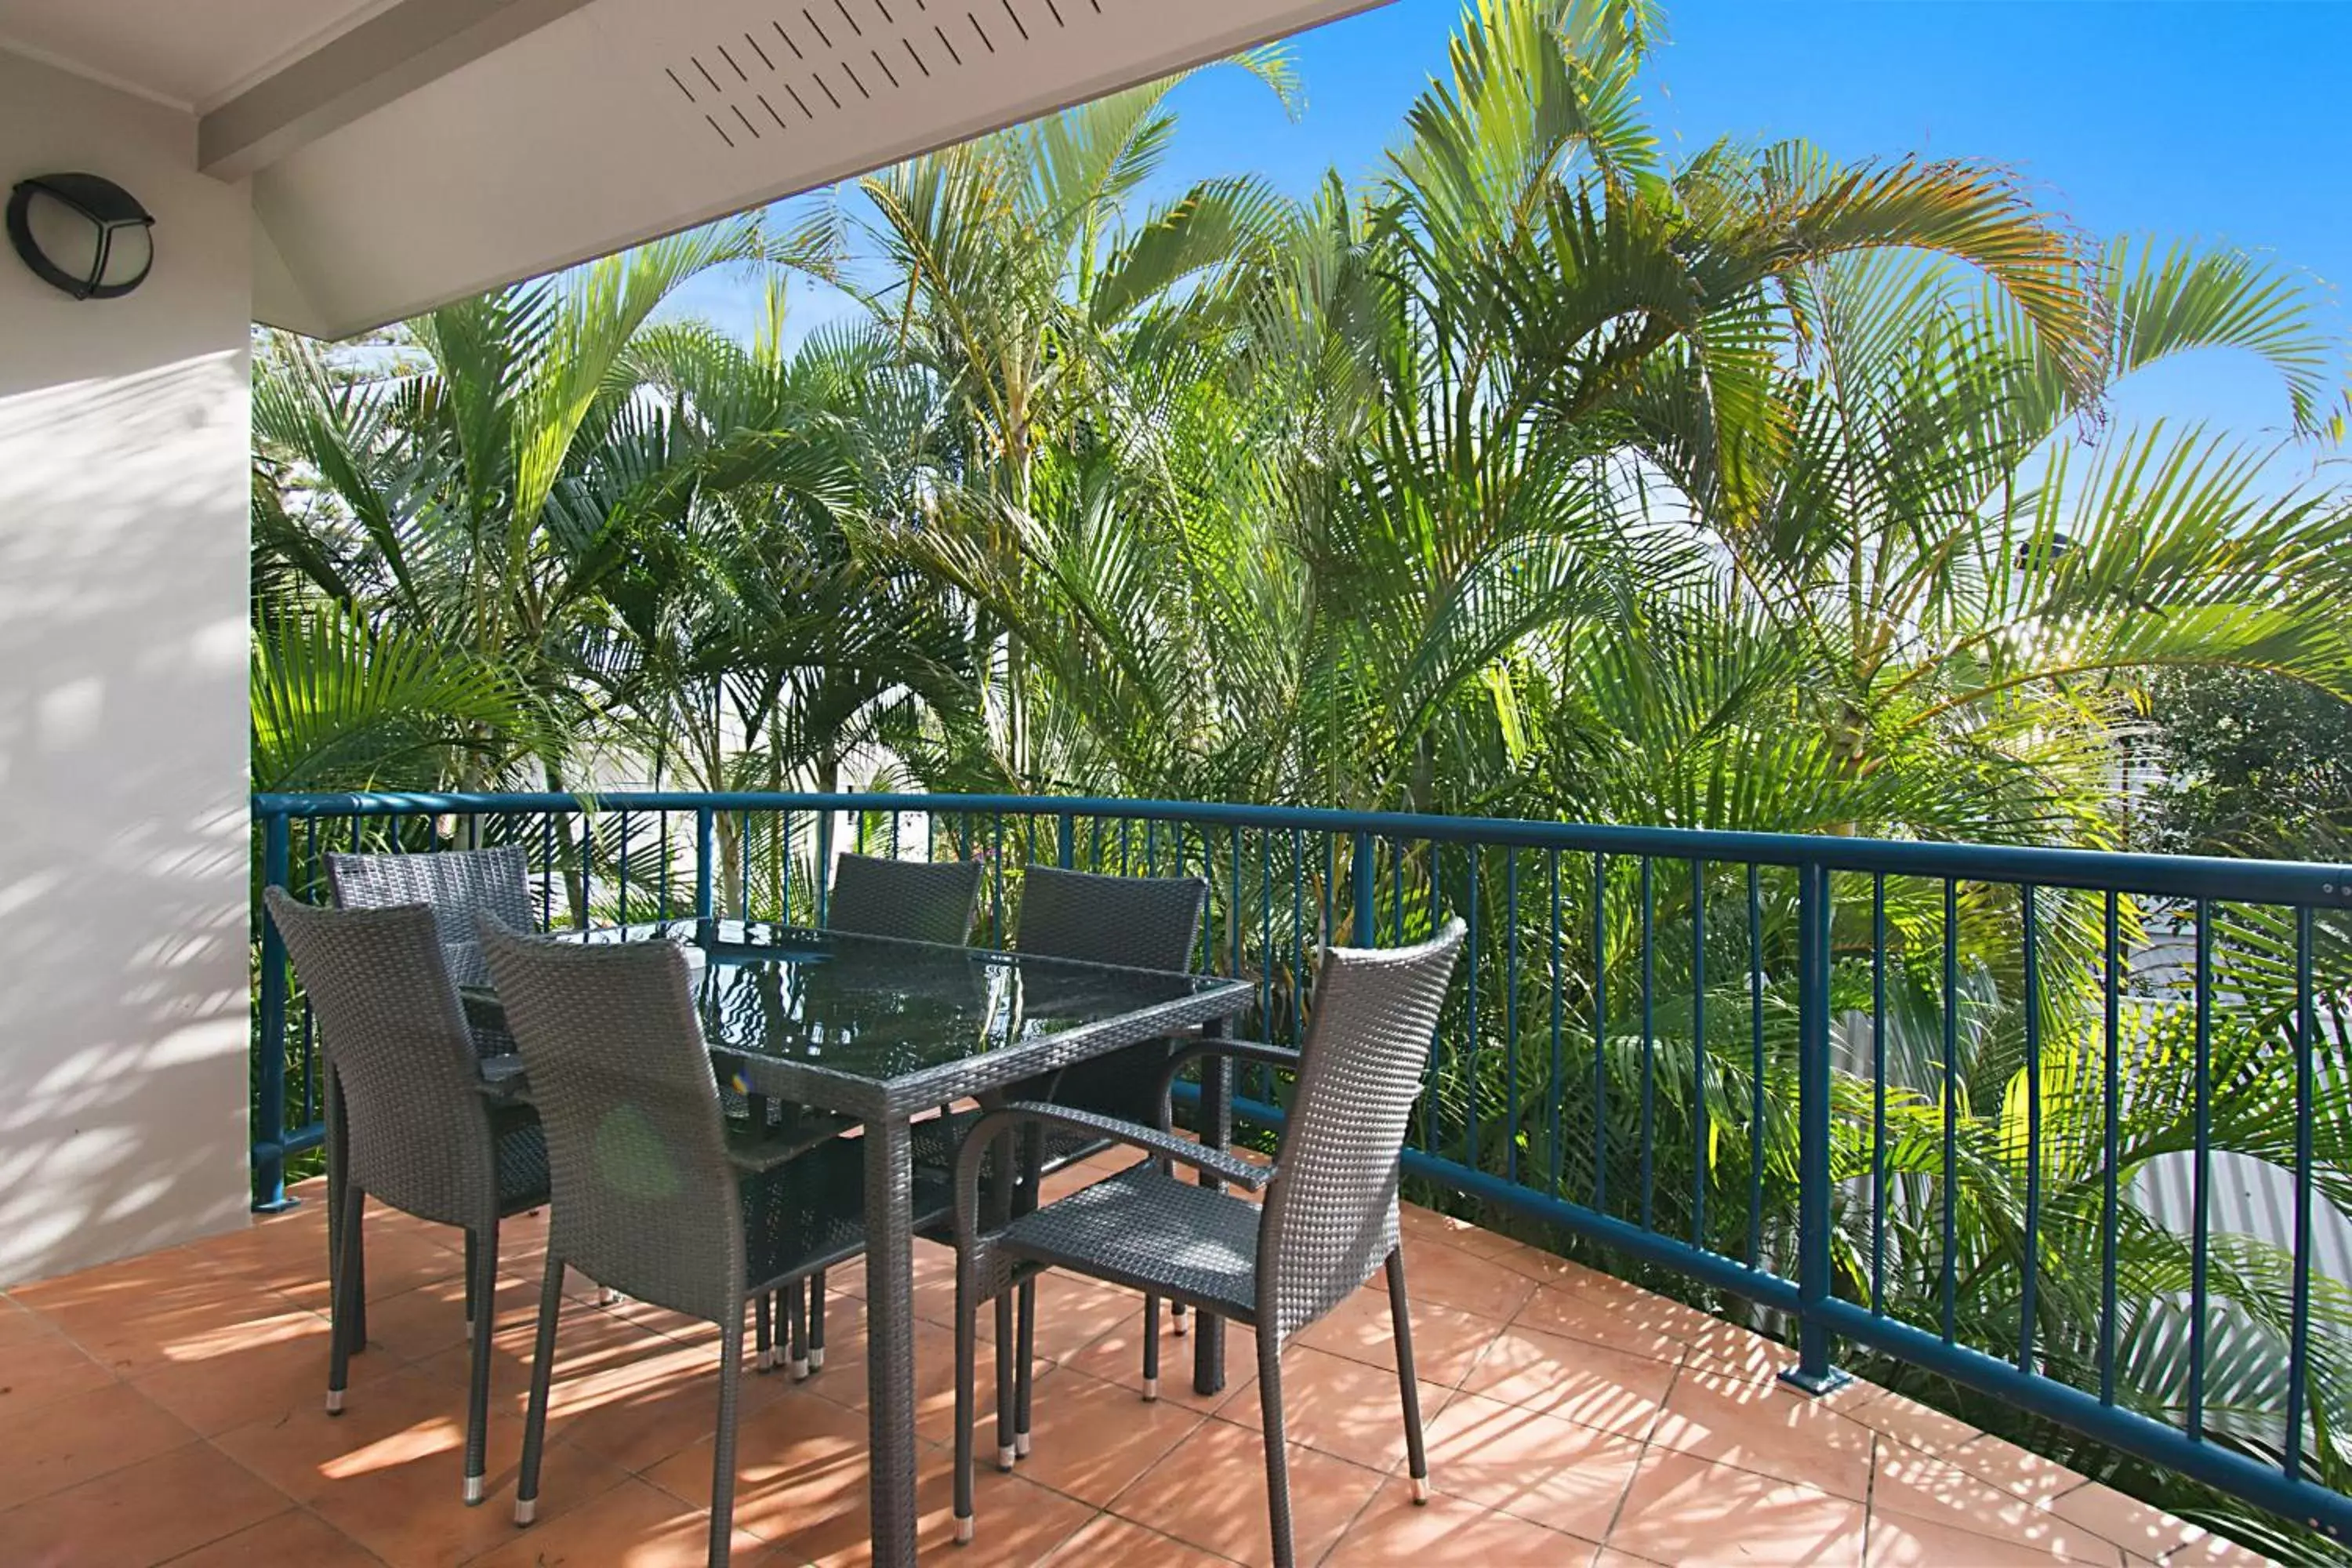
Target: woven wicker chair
pixel 1135 922
pixel 454 884
pixel 911 901
pixel 655 1196
pixel 420 1133
pixel 1329 1221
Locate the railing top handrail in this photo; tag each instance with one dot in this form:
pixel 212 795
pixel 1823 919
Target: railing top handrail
pixel 2164 875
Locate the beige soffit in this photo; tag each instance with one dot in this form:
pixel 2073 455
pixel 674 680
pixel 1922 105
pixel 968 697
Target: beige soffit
pixel 423 150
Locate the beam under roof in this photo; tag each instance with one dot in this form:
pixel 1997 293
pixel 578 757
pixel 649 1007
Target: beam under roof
pixel 377 63
pixel 430 156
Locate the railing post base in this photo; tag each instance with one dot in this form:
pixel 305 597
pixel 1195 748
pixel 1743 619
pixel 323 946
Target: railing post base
pixel 1815 1383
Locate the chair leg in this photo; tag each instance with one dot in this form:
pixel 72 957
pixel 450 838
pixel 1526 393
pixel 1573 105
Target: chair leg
pixel 1006 1352
pixel 1178 1323
pixel 473 1245
pixel 816 1322
pixel 722 1459
pixel 478 1402
pixel 342 1286
pixel 1150 1349
pixel 1401 1322
pixel 797 1313
pixel 542 1371
pixel 967 1332
pixel 1025 1373
pixel 762 1337
pixel 1278 1454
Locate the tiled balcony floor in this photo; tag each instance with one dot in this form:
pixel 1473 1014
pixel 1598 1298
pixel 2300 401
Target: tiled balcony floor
pixel 168 1409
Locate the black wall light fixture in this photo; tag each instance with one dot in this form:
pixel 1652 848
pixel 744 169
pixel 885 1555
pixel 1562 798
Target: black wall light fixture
pixel 82 234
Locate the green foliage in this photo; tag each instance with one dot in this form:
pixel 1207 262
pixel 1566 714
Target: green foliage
pixel 1542 473
pixel 2249 764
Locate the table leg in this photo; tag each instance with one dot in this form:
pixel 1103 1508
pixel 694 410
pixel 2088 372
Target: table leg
pixel 1217 1131
pixel 890 1339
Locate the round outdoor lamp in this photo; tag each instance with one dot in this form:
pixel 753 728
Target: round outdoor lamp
pixel 82 234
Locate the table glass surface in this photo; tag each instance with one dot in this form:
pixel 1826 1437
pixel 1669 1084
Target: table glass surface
pixel 878 1009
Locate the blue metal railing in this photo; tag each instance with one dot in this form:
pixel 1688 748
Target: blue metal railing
pixel 1907 1095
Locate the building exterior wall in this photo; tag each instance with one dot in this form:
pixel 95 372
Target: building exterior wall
pixel 124 442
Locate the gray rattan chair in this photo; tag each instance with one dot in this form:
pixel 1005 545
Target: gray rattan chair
pixel 912 900
pixel 1329 1221
pixel 419 1132
pixel 1135 922
pixel 456 884
pixel 654 1195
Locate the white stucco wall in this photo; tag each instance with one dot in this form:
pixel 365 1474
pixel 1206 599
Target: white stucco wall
pixel 124 429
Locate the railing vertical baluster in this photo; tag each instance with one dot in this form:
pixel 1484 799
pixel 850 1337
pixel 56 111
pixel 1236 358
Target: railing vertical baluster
pixel 2028 1288
pixel 1434 1123
pixel 1949 1286
pixel 1265 954
pixel 894 835
pixel 823 874
pixel 1756 1132
pixel 549 868
pixel 995 883
pixel 1601 1031
pixel 268 1133
pixel 621 915
pixel 1326 935
pixel 1471 858
pixel 1878 1092
pixel 2109 1217
pixel 1361 869
pixel 2306 1112
pixel 1233 905
pixel 1066 842
pixel 1297 935
pixel 1511 1012
pixel 661 819
pixel 1815 1238
pixel 1649 1045
pixel 2200 1253
pixel 1558 1086
pixel 587 874
pixel 706 850
pixel 1702 1129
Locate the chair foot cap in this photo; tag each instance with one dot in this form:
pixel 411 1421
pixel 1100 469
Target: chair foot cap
pixel 335 1402
pixel 1421 1489
pixel 963 1530
pixel 474 1491
pixel 607 1297
pixel 801 1370
pixel 1150 1390
pixel 1004 1457
pixel 526 1510
pixel 816 1358
pixel 1021 1445
pixel 1182 1325
pixel 763 1361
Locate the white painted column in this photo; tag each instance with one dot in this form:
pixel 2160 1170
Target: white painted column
pixel 124 455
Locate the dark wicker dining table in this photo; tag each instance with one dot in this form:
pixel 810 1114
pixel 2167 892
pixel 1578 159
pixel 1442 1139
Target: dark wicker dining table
pixel 883 1033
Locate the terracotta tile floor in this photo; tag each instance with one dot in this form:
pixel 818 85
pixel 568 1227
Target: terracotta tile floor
pixel 167 1409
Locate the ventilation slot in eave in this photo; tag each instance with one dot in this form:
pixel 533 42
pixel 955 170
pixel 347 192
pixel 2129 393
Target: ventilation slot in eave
pixel 812 61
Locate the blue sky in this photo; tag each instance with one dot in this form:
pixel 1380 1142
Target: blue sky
pixel 2221 121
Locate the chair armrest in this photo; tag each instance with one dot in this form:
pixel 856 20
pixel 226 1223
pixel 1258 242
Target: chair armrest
pixel 1246 1051
pixel 984 1132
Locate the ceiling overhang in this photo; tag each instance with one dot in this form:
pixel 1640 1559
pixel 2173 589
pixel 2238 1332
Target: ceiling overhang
pixel 424 149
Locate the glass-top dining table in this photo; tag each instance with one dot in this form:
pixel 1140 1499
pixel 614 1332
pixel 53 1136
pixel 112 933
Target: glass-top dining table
pixel 883 1032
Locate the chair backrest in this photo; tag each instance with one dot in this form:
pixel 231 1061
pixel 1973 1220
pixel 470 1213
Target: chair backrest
pixel 454 884
pixel 915 901
pixel 395 1032
pixel 643 1196
pixel 1140 923
pixel 1331 1211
